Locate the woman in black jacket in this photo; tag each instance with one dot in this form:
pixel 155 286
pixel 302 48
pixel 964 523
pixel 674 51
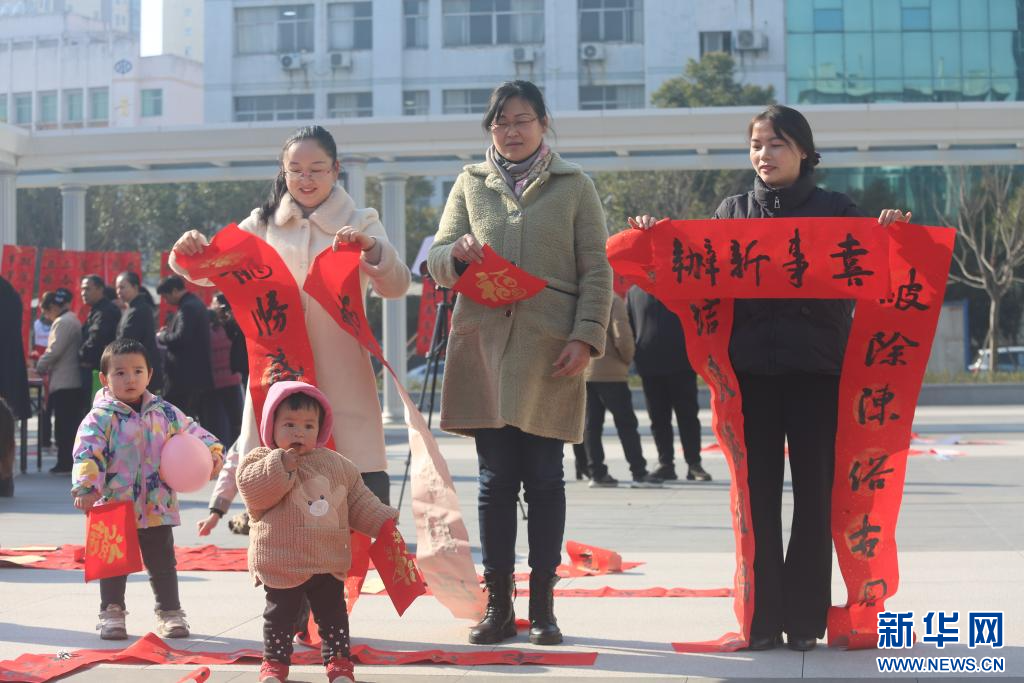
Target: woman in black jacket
pixel 138 322
pixel 787 354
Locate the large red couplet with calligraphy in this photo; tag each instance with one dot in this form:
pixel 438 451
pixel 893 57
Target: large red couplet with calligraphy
pixel 898 277
pixel 19 267
pixel 442 541
pixel 267 306
pixel 111 541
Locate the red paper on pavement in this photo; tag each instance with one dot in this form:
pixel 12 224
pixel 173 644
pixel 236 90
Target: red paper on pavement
pixel 442 542
pixel 497 281
pixel 40 668
pixel 898 276
pixel 111 541
pixel 396 567
pixel 590 557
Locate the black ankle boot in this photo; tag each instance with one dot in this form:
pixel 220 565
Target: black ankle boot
pixel 499 622
pixel 543 625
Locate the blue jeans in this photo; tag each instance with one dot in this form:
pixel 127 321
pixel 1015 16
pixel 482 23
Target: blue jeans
pixel 508 458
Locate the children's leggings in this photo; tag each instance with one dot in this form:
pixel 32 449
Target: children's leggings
pixel 326 598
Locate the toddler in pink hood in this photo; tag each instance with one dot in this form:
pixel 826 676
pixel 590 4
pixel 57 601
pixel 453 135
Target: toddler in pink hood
pixel 303 499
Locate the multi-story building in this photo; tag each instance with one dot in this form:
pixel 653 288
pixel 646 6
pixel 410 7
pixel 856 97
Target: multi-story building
pixel 61 69
pixel 177 28
pixel 331 59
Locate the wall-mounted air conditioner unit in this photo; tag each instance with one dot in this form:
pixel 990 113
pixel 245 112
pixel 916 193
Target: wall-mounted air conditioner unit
pixel 751 41
pixel 291 61
pixel 523 55
pixel 591 52
pixel 341 60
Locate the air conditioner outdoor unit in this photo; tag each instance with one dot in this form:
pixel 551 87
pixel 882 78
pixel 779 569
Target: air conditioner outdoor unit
pixel 592 52
pixel 341 60
pixel 751 41
pixel 291 61
pixel 523 55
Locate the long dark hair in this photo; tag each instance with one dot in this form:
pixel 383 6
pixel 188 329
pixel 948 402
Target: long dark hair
pixel 509 89
pixel 318 134
pixel 135 281
pixel 790 123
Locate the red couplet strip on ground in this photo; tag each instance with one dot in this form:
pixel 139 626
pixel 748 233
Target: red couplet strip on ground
pixel 39 668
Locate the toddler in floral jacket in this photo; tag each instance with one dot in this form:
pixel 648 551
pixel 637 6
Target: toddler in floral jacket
pixel 117 458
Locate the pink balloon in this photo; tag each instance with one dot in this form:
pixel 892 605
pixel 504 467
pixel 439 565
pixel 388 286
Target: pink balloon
pixel 185 463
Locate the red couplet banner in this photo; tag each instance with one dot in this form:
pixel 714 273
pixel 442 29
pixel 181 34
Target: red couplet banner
pixel 18 265
pixel 442 541
pixel 898 277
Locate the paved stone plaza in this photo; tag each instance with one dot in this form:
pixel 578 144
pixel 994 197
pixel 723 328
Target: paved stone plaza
pixel 961 539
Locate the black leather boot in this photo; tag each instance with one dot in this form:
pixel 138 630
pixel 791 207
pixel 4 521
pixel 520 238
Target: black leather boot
pixel 543 625
pixel 499 622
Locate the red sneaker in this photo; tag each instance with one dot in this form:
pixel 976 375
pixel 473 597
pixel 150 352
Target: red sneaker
pixel 273 672
pixel 340 668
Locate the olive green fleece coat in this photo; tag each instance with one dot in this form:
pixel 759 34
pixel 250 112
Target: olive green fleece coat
pixel 499 360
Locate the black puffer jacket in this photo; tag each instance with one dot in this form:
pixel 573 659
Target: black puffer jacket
pixel 138 322
pixel 782 336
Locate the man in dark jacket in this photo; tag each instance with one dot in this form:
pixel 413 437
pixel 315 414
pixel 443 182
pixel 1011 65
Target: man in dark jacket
pixel 13 380
pixel 139 322
pixel 189 371
pixel 670 384
pixel 100 329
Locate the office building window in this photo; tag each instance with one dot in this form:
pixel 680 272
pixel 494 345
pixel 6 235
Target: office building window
pixel 466 101
pixel 274 29
pixel 828 19
pixel 611 21
pixel 415 103
pixel 273 108
pixel 22 109
pixel 611 97
pixel 350 25
pixel 492 22
pixel 153 102
pixel 74 107
pixel 3 108
pixel 47 112
pixel 99 106
pixel 903 51
pixel 715 41
pixel 917 19
pixel 414 15
pixel 347 105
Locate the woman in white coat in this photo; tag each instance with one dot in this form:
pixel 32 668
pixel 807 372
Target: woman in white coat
pixel 307 212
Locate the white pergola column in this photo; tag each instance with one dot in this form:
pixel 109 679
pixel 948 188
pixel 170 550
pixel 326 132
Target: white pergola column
pixel 355 179
pixel 8 207
pixel 393 191
pixel 73 217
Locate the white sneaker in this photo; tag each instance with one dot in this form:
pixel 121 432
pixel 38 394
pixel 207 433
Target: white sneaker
pixel 111 626
pixel 171 624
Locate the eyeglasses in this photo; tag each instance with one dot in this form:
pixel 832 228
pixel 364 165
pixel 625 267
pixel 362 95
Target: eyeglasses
pixel 506 128
pixel 312 175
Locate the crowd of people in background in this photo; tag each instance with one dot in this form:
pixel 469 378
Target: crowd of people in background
pixel 198 357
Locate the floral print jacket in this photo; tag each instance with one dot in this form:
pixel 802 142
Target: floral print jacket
pixel 117 453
